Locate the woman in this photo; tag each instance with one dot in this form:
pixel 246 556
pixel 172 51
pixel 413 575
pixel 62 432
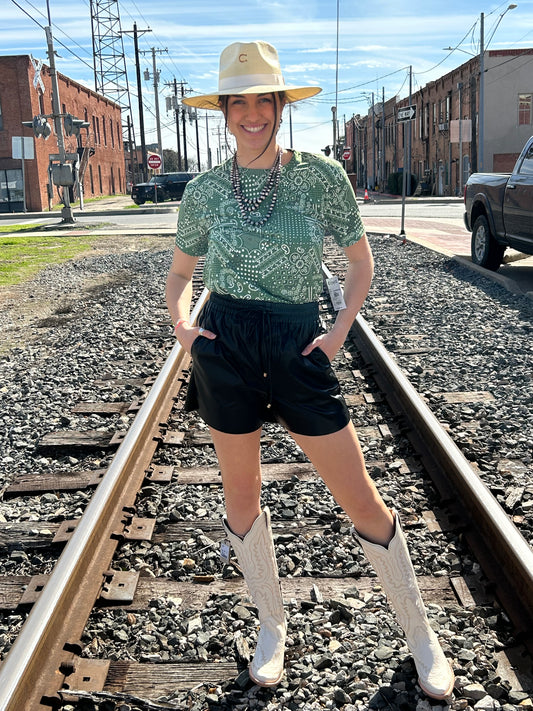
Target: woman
pixel 260 219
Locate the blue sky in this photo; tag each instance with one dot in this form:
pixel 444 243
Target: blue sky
pixel 377 42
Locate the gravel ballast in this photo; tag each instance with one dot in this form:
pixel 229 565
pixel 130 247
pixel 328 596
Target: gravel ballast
pixel 107 323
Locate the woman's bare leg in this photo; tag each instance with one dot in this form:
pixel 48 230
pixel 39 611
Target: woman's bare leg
pixel 338 459
pixel 239 458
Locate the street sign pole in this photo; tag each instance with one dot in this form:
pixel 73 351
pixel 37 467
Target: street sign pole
pixel 405 114
pixel 404 189
pixel 154 162
pixel 23 177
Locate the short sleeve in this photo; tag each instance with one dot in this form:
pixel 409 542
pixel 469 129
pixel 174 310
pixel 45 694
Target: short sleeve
pixel 341 212
pixel 192 231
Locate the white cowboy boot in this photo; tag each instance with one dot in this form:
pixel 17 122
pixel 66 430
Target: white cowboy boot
pixel 397 576
pixel 257 560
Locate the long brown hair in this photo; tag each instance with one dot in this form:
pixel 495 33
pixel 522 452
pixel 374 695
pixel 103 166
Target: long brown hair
pixel 279 102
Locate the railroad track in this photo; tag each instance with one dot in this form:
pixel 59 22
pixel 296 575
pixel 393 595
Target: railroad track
pixel 51 663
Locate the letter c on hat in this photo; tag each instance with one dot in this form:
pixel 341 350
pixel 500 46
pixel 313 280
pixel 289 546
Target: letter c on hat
pixel 243 58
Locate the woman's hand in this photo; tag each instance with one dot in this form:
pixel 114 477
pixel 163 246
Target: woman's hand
pixel 329 342
pixel 187 334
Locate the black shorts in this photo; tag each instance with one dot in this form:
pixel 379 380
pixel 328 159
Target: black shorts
pixel 254 371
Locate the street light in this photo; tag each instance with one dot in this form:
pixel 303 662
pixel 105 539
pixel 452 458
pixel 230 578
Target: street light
pixel 482 49
pixel 457 49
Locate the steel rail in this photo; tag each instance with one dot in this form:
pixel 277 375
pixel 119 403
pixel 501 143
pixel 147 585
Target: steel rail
pixel 495 537
pixel 32 670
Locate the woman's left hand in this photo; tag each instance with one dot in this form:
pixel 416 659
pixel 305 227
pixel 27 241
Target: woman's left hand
pixel 329 343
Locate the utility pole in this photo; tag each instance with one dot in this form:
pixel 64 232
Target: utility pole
pixel 155 77
pixel 186 162
pixel 219 151
pixel 373 145
pixel 66 212
pixel 135 33
pixel 460 87
pixel 409 134
pixel 209 161
pixel 383 139
pixel 481 113
pixel 290 126
pixel 334 118
pixel 181 111
pixel 197 140
pixel 132 158
pixel 177 117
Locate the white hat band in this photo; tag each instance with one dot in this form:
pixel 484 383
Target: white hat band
pixel 249 80
pixel 250 68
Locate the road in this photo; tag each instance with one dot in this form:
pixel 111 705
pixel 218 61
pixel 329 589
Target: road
pixel 434 223
pixel 420 218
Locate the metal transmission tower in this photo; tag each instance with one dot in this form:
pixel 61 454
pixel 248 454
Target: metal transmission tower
pixel 110 75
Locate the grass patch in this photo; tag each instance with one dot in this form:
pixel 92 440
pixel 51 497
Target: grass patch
pixel 22 256
pixel 20 228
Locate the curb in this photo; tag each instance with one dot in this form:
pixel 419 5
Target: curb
pixel 507 283
pixel 85 213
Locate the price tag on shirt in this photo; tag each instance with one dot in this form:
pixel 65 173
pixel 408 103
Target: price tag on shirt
pixel 335 293
pixel 225 548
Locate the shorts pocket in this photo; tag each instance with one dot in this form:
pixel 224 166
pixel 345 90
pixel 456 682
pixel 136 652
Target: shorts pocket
pixel 200 343
pixel 318 356
pixel 323 355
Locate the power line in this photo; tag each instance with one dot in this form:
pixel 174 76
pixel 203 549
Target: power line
pixel 58 41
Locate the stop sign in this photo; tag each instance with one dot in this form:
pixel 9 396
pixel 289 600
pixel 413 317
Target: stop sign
pixel 346 153
pixel 154 161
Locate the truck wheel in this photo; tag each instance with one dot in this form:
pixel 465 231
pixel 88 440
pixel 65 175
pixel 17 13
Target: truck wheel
pixel 138 201
pixel 484 249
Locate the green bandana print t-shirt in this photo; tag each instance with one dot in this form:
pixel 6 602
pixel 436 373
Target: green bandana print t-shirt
pixel 280 261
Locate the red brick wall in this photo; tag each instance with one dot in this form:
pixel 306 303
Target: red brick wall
pixel 21 102
pixel 504 162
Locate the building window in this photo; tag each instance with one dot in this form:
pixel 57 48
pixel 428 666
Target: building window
pixel 105 132
pixel 524 109
pixel 1 119
pixel 111 133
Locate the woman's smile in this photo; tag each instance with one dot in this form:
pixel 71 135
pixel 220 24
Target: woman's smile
pixel 254 129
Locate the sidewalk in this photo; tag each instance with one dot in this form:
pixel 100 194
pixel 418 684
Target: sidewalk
pixel 117 204
pixel 386 198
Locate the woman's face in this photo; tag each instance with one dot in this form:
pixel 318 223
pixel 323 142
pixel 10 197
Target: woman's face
pixel 253 119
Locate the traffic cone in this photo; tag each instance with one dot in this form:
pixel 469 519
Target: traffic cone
pixel 366 198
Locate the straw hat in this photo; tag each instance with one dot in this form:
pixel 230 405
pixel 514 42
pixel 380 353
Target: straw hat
pixel 250 68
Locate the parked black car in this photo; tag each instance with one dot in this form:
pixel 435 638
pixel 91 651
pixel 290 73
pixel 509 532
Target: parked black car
pixel 170 186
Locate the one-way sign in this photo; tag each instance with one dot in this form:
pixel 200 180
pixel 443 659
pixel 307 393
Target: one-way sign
pixel 407 113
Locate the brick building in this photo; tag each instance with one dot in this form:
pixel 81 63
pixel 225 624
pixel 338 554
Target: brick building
pixel 26 92
pixel 444 135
